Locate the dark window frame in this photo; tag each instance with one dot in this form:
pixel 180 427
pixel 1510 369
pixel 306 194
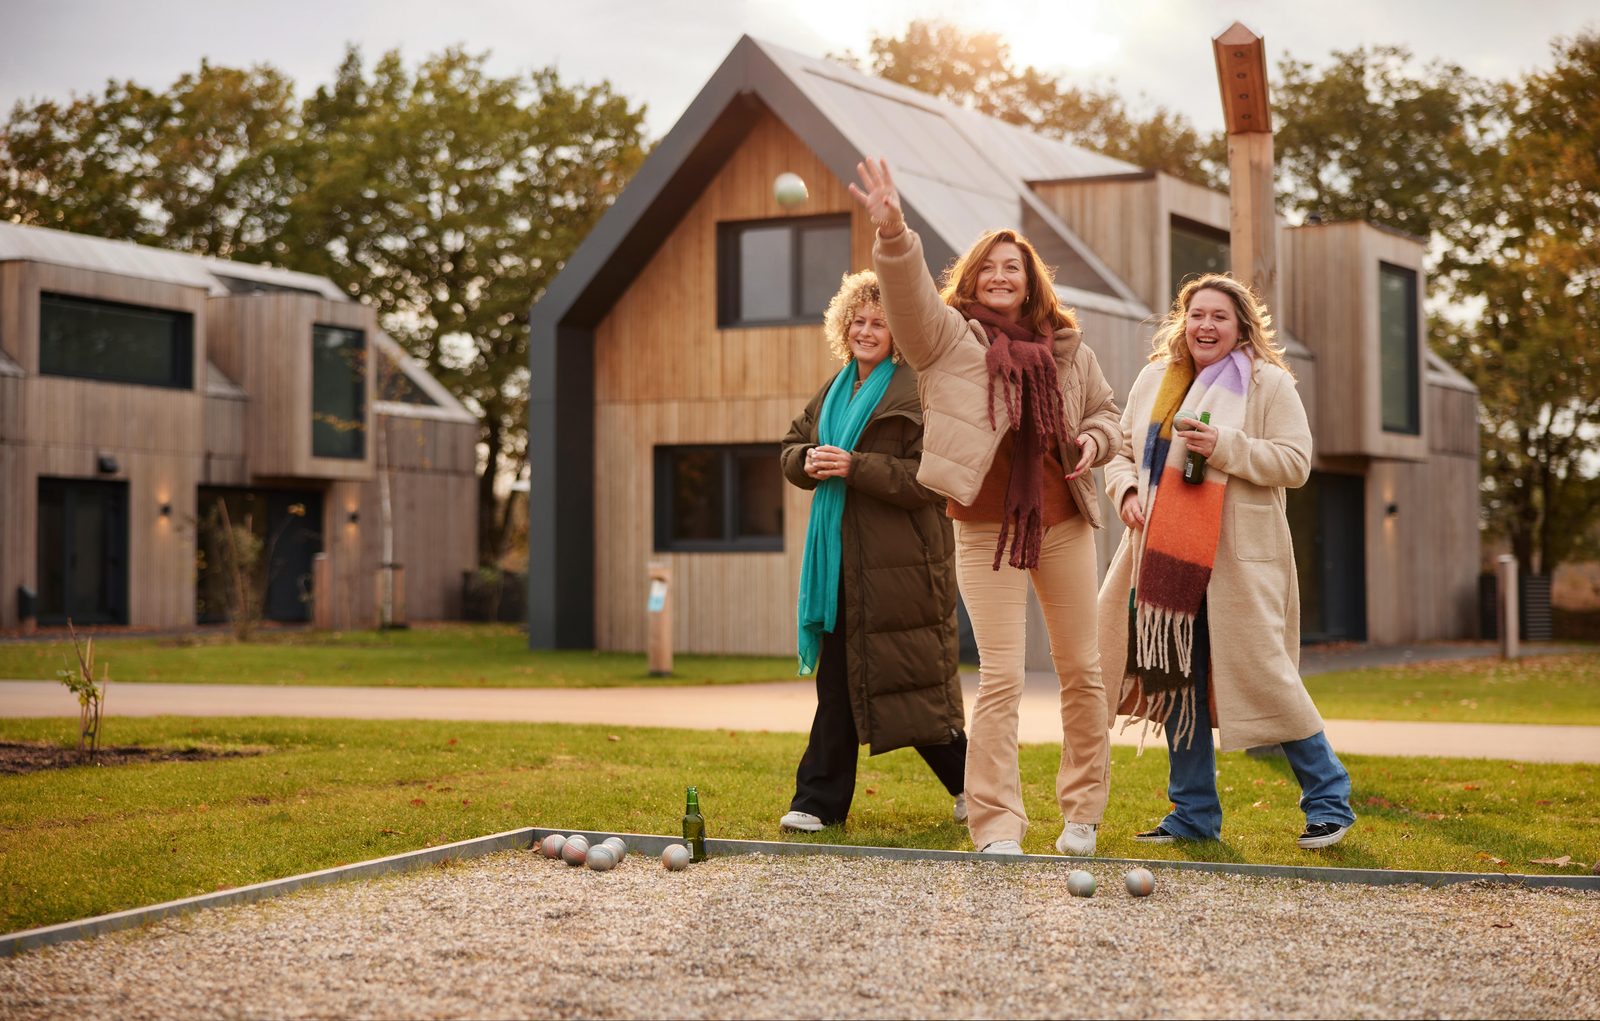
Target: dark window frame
pixel 663 494
pixel 728 267
pixel 366 357
pixel 1202 230
pixel 182 341
pixel 1413 378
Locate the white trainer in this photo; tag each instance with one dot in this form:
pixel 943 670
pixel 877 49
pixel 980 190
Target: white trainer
pixel 1077 838
pixel 1001 847
pixel 805 822
pixel 959 809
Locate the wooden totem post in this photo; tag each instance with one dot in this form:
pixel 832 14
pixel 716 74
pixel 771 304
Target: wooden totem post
pixel 1253 225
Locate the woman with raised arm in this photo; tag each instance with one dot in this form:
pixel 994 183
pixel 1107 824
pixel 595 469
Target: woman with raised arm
pixel 1016 412
pixel 877 607
pixel 1200 610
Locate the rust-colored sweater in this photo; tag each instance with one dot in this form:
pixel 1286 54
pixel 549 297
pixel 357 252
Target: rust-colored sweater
pixel 1056 500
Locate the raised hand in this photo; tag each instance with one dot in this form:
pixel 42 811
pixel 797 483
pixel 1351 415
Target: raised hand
pixel 878 196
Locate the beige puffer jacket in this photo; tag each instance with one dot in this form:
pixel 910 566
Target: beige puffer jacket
pixel 948 351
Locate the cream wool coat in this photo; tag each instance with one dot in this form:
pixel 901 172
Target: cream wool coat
pixel 948 351
pixel 1253 599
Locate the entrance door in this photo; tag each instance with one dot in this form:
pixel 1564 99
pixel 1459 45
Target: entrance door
pixel 1328 522
pixel 83 552
pixel 285 522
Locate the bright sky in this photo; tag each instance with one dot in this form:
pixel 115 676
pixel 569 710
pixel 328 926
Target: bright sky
pixel 662 51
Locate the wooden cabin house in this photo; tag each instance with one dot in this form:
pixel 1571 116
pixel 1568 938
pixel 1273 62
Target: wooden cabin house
pixel 671 353
pixel 140 389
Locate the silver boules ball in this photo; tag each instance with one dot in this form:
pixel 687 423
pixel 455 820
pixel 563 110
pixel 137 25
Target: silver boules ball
pixel 550 846
pixel 1140 882
pixel 618 845
pixel 602 858
pixel 675 858
pixel 575 851
pixel 1080 883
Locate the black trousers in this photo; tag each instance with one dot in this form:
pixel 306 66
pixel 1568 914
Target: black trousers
pixel 825 782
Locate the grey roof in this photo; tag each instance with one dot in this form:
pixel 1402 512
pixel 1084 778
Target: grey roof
pixel 19 243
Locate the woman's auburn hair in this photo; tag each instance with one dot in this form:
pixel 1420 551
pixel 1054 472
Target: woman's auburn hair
pixel 856 291
pixel 1255 322
pixel 1040 309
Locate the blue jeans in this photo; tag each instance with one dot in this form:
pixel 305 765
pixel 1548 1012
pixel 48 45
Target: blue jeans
pixel 1192 774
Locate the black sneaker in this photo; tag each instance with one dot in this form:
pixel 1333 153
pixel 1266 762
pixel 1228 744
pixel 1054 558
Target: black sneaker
pixel 1155 836
pixel 1322 834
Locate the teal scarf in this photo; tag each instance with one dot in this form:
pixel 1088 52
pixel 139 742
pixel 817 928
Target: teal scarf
pixel 843 418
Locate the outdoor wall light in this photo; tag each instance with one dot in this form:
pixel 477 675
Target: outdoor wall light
pixel 1392 511
pixel 355 517
pixel 105 464
pixel 166 509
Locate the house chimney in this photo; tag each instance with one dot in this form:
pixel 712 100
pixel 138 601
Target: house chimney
pixel 1253 223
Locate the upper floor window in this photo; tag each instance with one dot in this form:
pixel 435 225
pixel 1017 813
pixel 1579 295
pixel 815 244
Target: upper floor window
pixel 338 392
pixel 1398 350
pixel 1196 251
pixel 117 343
pixel 773 272
pixel 718 498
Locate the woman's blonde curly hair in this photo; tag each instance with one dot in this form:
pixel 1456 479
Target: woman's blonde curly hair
pixel 856 290
pixel 1255 322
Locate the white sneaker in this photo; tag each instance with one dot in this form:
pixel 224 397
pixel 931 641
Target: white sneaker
pixel 805 822
pixel 959 809
pixel 1077 838
pixel 1001 847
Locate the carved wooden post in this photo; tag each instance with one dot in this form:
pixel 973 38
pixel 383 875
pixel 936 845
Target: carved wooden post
pixel 1253 235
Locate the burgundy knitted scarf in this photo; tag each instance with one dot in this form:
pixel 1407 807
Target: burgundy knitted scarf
pixel 1022 366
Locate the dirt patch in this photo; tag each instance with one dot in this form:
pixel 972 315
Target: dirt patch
pixel 32 757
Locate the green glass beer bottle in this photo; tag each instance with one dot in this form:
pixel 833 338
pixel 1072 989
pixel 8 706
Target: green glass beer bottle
pixel 694 826
pixel 1194 465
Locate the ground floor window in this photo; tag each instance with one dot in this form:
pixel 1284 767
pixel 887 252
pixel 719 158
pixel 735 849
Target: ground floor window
pixel 718 498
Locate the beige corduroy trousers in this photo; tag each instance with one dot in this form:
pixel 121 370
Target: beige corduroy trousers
pixel 997 602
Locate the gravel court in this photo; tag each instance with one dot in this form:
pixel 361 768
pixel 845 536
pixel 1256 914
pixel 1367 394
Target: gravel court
pixel 516 934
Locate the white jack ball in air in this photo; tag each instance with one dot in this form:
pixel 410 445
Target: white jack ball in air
pixel 789 189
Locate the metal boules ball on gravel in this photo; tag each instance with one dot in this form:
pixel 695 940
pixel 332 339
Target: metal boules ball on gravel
pixel 550 846
pixel 1080 883
pixel 1140 882
pixel 575 851
pixel 675 858
pixel 618 845
pixel 602 858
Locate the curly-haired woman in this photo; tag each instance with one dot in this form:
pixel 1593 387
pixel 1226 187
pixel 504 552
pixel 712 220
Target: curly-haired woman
pixel 877 606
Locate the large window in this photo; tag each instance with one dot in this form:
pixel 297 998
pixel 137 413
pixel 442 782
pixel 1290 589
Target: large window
pixel 338 392
pixel 1398 354
pixel 718 499
pixel 780 271
pixel 116 343
pixel 1196 251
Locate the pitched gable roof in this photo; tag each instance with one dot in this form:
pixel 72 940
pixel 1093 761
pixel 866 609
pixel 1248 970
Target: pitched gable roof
pixel 960 173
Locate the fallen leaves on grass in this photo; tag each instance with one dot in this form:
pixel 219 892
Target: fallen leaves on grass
pixel 1491 859
pixel 1561 862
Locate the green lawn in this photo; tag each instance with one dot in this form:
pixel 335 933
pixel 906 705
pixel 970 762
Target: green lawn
pixel 83 841
pixel 453 655
pixel 1539 689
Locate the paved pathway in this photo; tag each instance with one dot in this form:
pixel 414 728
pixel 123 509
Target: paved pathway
pixel 781 706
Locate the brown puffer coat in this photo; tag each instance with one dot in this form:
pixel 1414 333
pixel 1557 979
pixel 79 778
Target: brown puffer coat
pixel 898 574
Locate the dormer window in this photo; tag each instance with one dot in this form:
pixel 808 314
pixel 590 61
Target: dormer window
pixel 338 392
pixel 1195 251
pixel 115 343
